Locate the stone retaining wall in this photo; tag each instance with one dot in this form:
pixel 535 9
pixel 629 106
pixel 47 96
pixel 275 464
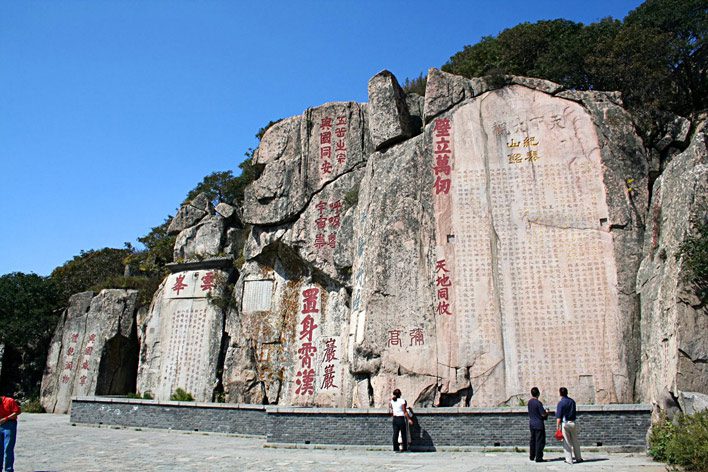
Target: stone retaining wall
pixel 607 426
pixel 187 416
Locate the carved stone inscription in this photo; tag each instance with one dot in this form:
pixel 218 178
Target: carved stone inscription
pixel 189 328
pixel 535 273
pixel 257 295
pixel 184 364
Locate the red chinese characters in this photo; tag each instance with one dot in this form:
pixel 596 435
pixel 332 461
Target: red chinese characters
pixel 305 376
pixel 329 219
pixel 394 337
pixel 208 281
pixel 333 143
pixel 443 282
pixel 68 364
pixel 442 153
pixel 330 355
pixel 340 145
pixel 86 359
pixel 326 146
pixel 417 337
pixel 179 284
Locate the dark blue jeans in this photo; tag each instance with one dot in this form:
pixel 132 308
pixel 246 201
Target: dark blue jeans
pixel 9 434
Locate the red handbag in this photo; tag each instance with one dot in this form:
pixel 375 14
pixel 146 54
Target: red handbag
pixel 559 435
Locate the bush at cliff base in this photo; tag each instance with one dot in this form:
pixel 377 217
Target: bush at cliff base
pixel 180 395
pixel 683 442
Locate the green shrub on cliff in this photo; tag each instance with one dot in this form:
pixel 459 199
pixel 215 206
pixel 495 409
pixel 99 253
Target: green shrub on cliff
pixel 180 395
pixel 694 251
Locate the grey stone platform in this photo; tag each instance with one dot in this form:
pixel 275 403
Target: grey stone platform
pixel 50 443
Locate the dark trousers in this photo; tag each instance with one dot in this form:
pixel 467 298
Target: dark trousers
pixel 536 444
pixel 399 425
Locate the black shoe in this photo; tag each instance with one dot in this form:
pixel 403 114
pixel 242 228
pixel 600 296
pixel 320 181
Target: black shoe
pixel 578 461
pixel 541 460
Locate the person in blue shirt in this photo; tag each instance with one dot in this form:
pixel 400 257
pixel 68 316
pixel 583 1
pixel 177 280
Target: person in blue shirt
pixel 565 418
pixel 537 416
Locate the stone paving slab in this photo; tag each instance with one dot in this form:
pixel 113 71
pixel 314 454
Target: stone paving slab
pixel 51 443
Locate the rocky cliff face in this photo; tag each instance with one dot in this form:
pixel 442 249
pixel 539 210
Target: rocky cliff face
pixel 463 262
pixel 463 247
pixel 674 324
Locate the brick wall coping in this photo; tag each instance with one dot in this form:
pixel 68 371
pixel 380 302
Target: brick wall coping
pixel 140 401
pixel 628 407
pixel 275 409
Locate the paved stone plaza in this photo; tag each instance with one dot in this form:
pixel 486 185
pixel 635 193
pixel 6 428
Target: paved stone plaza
pixel 50 443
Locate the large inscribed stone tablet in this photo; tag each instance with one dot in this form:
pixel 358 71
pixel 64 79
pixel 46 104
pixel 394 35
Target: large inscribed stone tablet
pixel 182 338
pixel 523 238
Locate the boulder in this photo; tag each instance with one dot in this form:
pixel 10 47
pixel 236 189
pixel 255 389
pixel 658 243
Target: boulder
pixel 225 210
pixel 444 90
pixel 206 239
pixel 94 350
pixel 676 132
pixel 190 214
pixel 389 119
pixel 693 402
pixel 181 335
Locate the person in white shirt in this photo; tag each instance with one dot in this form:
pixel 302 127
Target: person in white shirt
pixel 398 408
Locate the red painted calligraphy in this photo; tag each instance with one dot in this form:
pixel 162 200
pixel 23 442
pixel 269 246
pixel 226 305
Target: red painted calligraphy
pixel 330 353
pixel 309 300
pixel 306 352
pixel 417 336
pixel 394 337
pixel 329 214
pixel 305 382
pixel 442 154
pixel 328 381
pixel 208 281
pixel 305 377
pixel 179 284
pixel 308 326
pixel 444 283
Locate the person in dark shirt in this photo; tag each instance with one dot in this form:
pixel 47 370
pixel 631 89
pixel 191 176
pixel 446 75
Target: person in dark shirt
pixel 537 415
pixel 565 418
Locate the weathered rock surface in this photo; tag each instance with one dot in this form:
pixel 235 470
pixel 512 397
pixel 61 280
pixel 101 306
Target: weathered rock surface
pixel 181 336
pixel 528 215
pixel 389 119
pixel 301 155
pixel 463 247
pixel 225 210
pixel 444 90
pixel 206 239
pixel 674 320
pixel 94 350
pixel 190 214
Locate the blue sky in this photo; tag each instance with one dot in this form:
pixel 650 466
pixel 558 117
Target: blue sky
pixel 111 111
